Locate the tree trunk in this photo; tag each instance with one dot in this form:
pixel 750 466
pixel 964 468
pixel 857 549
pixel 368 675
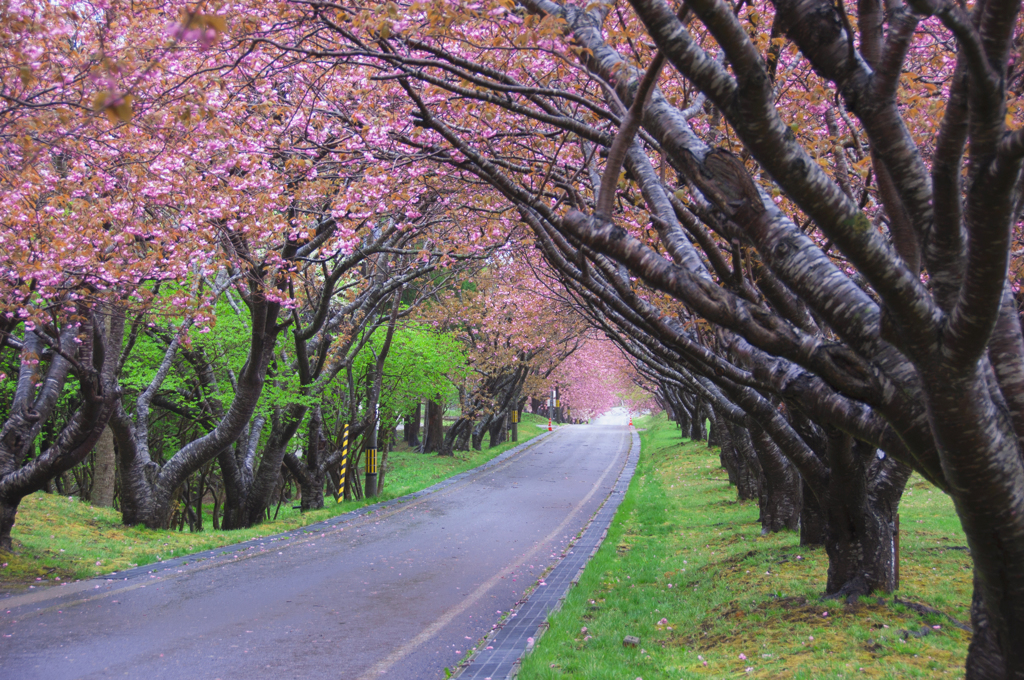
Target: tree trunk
pixel 748 484
pixel 383 470
pixel 234 488
pixel 457 433
pixel 200 492
pixel 355 481
pixel 216 508
pixel 683 419
pixel 478 433
pixel 155 512
pixel 729 458
pixel 104 475
pixel 29 412
pixel 985 660
pixel 261 494
pixel 104 472
pixel 434 438
pixel 319 467
pixel 860 519
pixel 498 430
pixel 780 486
pixel 412 426
pixel 741 466
pixel 386 433
pixel 147 488
pixel 670 410
pixel 311 485
pixel 462 441
pixel 312 489
pixel 698 432
pixel 238 471
pixel 812 519
pixel 8 511
pixel 714 436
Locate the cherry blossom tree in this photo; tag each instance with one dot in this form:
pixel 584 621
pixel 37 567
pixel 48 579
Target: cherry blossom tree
pixel 157 165
pixel 597 377
pixel 796 218
pixel 90 229
pixel 806 224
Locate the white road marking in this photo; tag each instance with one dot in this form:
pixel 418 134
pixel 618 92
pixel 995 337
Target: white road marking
pixel 433 629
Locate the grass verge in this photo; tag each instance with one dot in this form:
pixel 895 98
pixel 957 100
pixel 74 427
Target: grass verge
pixel 685 569
pixel 59 539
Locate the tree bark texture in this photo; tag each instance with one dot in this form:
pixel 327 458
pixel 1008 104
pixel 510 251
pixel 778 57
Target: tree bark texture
pixel 744 462
pixel 147 489
pixel 812 519
pixel 434 438
pixel 498 430
pixel 412 426
pixel 88 350
pixel 104 476
pixel 985 659
pixel 780 484
pixel 859 527
pixel 457 437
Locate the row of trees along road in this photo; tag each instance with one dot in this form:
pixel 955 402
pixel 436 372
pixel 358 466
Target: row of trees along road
pixel 798 218
pixel 215 256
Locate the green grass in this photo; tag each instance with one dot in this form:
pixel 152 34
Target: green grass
pixel 59 539
pixel 742 605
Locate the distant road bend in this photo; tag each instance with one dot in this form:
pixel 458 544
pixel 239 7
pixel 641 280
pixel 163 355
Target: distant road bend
pixel 402 593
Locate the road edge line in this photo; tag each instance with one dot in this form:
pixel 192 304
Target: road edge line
pixel 598 530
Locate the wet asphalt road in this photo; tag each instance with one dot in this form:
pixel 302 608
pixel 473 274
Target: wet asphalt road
pixel 402 593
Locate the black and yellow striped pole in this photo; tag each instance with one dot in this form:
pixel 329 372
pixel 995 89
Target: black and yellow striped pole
pixel 371 473
pixel 343 472
pixel 515 425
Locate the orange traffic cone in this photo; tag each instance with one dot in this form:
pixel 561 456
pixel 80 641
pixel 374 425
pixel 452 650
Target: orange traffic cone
pixel 549 424
pixel 631 420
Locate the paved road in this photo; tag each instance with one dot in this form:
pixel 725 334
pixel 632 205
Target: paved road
pixel 402 593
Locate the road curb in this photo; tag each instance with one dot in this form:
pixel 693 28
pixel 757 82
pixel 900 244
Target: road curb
pixel 500 654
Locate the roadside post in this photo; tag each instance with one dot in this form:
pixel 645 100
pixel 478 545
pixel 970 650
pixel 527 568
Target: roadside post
pixel 370 449
pixel 515 425
pixel 343 491
pixel 371 473
pixel 551 408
